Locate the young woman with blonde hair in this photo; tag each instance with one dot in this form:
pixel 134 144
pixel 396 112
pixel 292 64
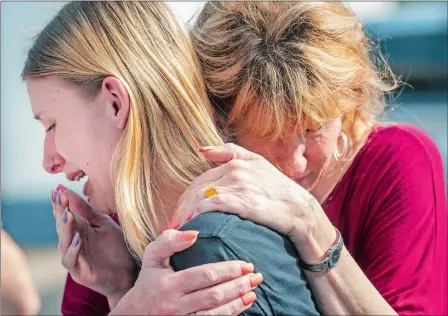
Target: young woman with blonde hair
pixel 117 87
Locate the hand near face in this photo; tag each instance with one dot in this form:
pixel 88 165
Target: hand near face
pixel 99 259
pixel 92 246
pixel 252 188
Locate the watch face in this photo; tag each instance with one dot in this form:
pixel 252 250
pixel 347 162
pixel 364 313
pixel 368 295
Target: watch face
pixel 335 255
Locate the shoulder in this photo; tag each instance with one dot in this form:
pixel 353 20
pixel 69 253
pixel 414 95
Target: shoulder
pixel 398 139
pixel 231 228
pixel 224 237
pixel 399 169
pixel 400 150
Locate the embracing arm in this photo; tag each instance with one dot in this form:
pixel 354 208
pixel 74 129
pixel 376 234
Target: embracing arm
pixel 346 290
pixel 227 237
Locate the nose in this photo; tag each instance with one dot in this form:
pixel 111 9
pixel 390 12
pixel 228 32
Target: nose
pixel 293 162
pixel 52 162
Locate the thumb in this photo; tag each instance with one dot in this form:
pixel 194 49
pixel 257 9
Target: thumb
pixel 227 152
pixel 158 252
pixel 79 206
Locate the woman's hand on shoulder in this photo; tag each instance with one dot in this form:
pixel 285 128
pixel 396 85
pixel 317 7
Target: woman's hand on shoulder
pixel 222 288
pixel 251 187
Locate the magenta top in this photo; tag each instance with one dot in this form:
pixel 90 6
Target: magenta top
pixel 391 209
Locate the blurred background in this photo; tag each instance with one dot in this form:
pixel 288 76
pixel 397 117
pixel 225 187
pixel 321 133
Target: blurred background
pixel 412 36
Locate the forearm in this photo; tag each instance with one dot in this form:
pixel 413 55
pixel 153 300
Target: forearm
pixel 346 290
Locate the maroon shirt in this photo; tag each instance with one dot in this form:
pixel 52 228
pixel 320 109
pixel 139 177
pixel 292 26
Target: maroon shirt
pixel 391 209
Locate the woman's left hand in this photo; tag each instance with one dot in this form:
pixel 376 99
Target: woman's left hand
pixel 252 188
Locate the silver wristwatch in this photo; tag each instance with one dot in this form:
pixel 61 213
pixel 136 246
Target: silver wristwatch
pixel 332 259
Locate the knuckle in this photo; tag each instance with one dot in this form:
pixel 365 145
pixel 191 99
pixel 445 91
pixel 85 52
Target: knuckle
pixel 235 164
pixel 215 297
pixel 64 262
pixel 211 275
pixel 237 176
pixel 164 285
pixel 167 308
pixel 243 287
pixel 208 313
pixel 169 237
pixel 236 307
pixel 230 146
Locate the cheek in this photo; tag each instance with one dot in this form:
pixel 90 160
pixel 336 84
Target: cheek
pixel 319 150
pixel 74 146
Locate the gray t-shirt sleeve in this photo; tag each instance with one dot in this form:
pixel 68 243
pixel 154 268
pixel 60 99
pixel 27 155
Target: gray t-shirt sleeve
pixel 224 237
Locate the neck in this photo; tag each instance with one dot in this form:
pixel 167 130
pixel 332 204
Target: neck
pixel 336 170
pixel 329 179
pixel 168 194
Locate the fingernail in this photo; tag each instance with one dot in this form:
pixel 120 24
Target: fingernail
pixel 256 279
pixel 247 268
pixel 61 188
pixel 248 298
pixel 58 197
pixel 189 216
pixel 205 149
pixel 75 240
pixel 174 224
pixel 189 235
pixel 64 216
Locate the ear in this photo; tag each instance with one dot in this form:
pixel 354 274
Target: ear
pixel 118 102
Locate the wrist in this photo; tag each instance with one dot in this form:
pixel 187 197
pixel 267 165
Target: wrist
pixel 314 245
pixel 123 305
pixel 128 282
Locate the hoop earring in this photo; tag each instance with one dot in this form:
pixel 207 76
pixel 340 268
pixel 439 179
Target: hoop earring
pixel 338 155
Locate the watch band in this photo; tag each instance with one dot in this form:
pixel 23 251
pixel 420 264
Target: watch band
pixel 333 256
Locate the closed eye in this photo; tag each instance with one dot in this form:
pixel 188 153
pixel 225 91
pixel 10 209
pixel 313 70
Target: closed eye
pixel 309 131
pixel 52 126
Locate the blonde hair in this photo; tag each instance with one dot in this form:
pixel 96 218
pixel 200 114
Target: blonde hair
pixel 270 66
pixel 143 45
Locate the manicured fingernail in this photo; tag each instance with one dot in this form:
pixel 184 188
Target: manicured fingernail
pixel 64 216
pixel 247 268
pixel 205 149
pixel 189 216
pixel 256 279
pixel 75 240
pixel 248 298
pixel 61 188
pixel 58 197
pixel 189 235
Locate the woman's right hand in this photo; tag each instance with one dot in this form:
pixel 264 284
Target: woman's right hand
pixel 222 288
pixel 92 246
